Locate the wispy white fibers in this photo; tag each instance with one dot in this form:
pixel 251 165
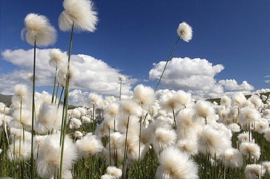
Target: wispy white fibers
pixel 57 57
pixel 261 125
pixel 19 150
pixel 254 171
pixel 188 146
pixel 256 101
pixel 144 95
pixel 175 164
pixel 245 137
pixel 114 172
pixel 184 31
pixel 213 142
pixel 22 117
pixel 75 123
pixel 238 98
pixel 49 118
pixel 95 99
pixel 62 74
pixel 89 145
pixel 21 97
pixel 163 138
pixel 248 115
pixel 233 158
pixel 234 127
pixel 174 100
pixel 20 134
pixel 266 166
pixel 225 101
pixel 38 28
pixel 80 13
pixel 204 109
pixel 252 149
pixel 267 134
pixel 48 161
pixel 130 108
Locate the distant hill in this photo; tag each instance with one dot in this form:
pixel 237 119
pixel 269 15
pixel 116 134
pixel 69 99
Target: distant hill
pixel 6 99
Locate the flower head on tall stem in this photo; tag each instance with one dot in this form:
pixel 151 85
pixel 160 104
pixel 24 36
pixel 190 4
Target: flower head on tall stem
pixel 38 30
pixel 79 13
pixel 184 31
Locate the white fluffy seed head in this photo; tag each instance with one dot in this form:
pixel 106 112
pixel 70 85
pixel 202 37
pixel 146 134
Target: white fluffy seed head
pixel 80 13
pixel 38 30
pixel 252 149
pixel 248 115
pixel 57 57
pixel 184 31
pixel 204 108
pixel 176 164
pixel 254 171
pixel 233 158
pixel 113 171
pixel 144 95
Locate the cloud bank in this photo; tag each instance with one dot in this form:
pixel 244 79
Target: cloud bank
pixel 93 75
pixel 196 76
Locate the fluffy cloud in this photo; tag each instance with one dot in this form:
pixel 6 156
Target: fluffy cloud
pixel 93 75
pixel 196 76
pixel 232 85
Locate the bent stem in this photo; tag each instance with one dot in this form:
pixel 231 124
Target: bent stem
pixel 65 107
pixel 33 112
pixel 167 63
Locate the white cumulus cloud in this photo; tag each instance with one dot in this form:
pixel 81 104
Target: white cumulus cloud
pixel 93 75
pixel 196 76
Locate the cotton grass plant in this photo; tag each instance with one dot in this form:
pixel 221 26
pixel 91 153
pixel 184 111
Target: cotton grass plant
pixel 143 136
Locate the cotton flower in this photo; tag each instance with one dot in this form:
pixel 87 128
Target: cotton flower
pixel 163 138
pixel 225 101
pixel 80 13
pixel 144 95
pixel 49 118
pixel 233 158
pixel 254 171
pixel 48 161
pixel 21 95
pixel 248 115
pixel 252 149
pixel 114 172
pixel 184 31
pixel 78 134
pixel 129 107
pixel 89 145
pixel 75 123
pixel 188 146
pixel 267 134
pixel 19 150
pixel 213 141
pixel 175 164
pixel 256 101
pixel 62 74
pixel 57 57
pixel 23 117
pixel 245 137
pixel 234 127
pixel 122 78
pixel 266 166
pixel 261 125
pixel 38 30
pixel 238 98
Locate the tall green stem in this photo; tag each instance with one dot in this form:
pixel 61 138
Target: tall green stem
pixel 167 63
pixel 54 83
pixel 33 113
pixel 65 107
pixel 125 151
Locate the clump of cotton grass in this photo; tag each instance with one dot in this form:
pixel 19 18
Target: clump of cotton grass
pixel 184 31
pixel 48 161
pixel 21 96
pixel 112 173
pixel 245 137
pixel 213 142
pixel 234 127
pixel 22 118
pixel 49 119
pixel 89 145
pixel 266 166
pixel 79 14
pixel 204 109
pixel 238 98
pixel 144 95
pixel 188 146
pixel 254 171
pixel 63 73
pixel 225 101
pixel 251 150
pixel 248 115
pixel 38 30
pixel 113 152
pixel 130 108
pixel 256 101
pixel 261 125
pixel 20 134
pixel 19 151
pixel 75 123
pixel 78 135
pixel 233 158
pixel 176 164
pixel 162 139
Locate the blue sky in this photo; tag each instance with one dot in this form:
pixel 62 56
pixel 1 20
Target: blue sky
pixel 133 35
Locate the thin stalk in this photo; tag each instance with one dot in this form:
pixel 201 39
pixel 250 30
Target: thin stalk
pixel 120 90
pixel 174 118
pixel 66 100
pixel 54 83
pixel 125 151
pixel 33 112
pixel 167 63
pixel 55 99
pixel 60 97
